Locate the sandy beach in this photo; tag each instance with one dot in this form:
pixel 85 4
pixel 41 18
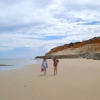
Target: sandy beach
pixel 77 79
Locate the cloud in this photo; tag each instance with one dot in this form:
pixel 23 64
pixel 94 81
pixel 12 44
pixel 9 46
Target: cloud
pixel 36 24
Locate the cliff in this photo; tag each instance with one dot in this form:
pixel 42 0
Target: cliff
pixel 87 47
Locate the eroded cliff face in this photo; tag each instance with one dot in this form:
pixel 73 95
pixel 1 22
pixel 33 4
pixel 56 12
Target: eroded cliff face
pixel 87 46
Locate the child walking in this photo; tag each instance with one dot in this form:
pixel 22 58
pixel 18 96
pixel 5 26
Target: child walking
pixel 44 65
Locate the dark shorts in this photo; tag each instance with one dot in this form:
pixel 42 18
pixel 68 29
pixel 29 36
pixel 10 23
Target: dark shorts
pixel 44 68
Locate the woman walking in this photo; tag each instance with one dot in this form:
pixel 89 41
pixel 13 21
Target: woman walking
pixel 55 64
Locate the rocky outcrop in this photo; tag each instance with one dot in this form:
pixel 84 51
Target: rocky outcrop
pixel 5 65
pixel 96 56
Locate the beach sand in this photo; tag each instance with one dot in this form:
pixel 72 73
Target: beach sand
pixel 77 79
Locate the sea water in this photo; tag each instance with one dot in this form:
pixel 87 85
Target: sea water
pixel 16 63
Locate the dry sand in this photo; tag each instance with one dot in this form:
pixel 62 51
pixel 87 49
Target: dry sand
pixel 77 79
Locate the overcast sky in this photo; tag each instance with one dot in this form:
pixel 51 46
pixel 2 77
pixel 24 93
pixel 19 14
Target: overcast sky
pixel 30 28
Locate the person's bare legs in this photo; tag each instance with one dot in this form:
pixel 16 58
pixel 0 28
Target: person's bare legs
pixel 44 71
pixel 54 69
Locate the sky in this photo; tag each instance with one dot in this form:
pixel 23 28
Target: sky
pixel 30 28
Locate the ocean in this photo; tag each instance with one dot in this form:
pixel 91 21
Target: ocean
pixel 16 63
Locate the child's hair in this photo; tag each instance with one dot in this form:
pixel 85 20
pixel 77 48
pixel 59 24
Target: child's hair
pixel 44 58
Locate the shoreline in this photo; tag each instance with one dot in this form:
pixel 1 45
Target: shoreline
pixel 10 65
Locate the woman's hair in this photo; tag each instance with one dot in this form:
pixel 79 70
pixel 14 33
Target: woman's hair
pixel 54 57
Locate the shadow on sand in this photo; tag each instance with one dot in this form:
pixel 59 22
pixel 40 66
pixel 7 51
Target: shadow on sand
pixel 47 75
